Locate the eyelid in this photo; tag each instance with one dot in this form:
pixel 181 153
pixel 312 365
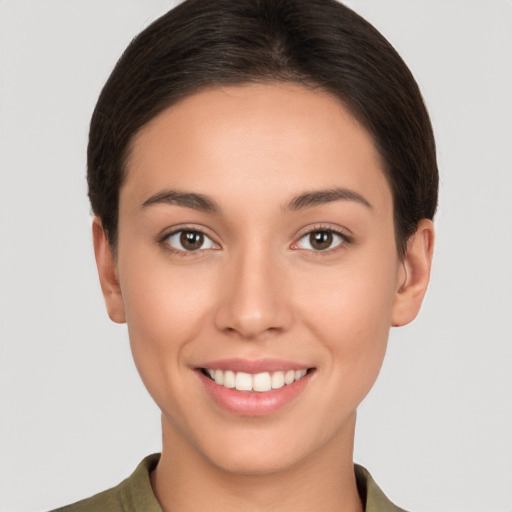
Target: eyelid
pixel 163 239
pixel 347 239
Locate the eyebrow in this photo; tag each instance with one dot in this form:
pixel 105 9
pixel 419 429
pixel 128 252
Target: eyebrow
pixel 300 202
pixel 186 199
pixel 319 197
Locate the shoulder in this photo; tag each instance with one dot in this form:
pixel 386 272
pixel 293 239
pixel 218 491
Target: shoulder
pixel 374 500
pixel 112 500
pixel 133 493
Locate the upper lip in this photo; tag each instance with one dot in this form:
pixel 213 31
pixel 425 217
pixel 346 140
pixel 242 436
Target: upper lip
pixel 254 366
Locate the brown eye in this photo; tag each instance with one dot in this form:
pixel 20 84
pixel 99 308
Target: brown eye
pixel 321 240
pixel 189 241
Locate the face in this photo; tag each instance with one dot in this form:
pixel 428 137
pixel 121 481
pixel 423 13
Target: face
pixel 257 271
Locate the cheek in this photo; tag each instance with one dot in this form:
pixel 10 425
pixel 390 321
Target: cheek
pixel 166 308
pixel 162 305
pixel 349 309
pixel 353 298
pixel 159 294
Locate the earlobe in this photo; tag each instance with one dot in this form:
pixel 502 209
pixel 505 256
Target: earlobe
pixel 414 275
pixel 107 271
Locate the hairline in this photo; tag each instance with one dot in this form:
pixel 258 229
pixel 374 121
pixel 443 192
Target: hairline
pixel 308 84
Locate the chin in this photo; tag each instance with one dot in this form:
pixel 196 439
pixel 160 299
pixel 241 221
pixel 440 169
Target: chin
pixel 254 463
pixel 265 451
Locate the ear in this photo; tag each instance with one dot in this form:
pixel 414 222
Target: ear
pixel 107 271
pixel 414 275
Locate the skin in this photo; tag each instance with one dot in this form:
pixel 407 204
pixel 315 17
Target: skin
pixel 259 289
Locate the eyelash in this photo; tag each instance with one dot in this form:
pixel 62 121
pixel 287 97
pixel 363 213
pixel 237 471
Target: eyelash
pixel 183 252
pixel 345 240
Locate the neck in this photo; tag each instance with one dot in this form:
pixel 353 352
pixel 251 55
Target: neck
pixel 184 481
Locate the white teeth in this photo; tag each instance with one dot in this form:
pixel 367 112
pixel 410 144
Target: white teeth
pixel 299 374
pixel 259 382
pixel 219 377
pixel 229 379
pixel 277 380
pixel 243 381
pixel 289 377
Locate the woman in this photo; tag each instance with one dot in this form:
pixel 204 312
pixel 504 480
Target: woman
pixel 263 179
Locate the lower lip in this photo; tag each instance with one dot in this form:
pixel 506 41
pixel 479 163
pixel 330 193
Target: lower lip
pixel 254 403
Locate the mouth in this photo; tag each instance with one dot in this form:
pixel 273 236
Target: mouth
pixel 258 382
pixel 254 388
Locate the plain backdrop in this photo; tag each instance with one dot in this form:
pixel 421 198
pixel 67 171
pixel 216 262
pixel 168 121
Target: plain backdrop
pixel 436 431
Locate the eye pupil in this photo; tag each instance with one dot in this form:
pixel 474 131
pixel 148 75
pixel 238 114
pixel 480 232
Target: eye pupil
pixel 321 240
pixel 191 240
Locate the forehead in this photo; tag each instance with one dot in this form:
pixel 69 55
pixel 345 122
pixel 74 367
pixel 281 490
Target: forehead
pixel 261 136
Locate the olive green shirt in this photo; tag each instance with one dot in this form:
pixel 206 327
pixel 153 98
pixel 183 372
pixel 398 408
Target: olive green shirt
pixel 136 495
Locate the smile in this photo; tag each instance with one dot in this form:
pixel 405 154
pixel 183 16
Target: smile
pixel 259 382
pixel 254 388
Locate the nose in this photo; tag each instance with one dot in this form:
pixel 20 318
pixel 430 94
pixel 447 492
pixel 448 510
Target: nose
pixel 254 301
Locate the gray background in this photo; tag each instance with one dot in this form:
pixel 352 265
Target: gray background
pixel 436 431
